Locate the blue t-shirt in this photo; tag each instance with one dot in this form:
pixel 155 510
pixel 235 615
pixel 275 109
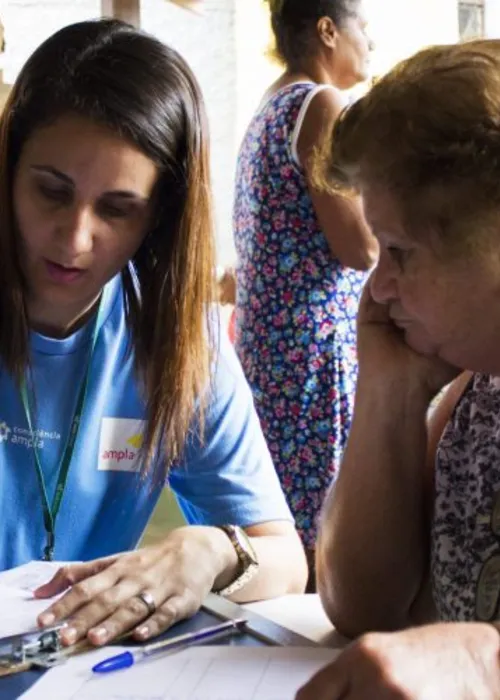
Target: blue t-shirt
pixel 108 501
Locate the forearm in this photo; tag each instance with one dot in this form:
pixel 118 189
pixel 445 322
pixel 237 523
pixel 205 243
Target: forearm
pixel 282 564
pixel 371 550
pixel 282 568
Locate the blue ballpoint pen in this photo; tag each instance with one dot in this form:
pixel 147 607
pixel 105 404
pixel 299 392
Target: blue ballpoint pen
pixel 207 634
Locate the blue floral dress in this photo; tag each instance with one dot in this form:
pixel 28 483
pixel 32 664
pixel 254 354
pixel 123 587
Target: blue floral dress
pixel 295 314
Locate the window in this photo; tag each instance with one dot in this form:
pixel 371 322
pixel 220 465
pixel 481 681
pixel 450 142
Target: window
pixel 471 19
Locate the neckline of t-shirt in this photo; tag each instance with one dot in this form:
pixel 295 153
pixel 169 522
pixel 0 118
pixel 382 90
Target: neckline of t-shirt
pixel 65 346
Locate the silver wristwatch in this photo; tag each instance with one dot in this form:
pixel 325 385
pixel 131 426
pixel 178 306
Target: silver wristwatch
pixel 249 564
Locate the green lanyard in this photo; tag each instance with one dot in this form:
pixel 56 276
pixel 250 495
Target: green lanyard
pixel 50 513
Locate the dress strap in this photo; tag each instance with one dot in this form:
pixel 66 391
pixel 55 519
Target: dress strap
pixel 301 116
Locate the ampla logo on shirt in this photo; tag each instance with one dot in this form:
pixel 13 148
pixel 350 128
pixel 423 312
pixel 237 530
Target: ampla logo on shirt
pixel 120 443
pixel 23 437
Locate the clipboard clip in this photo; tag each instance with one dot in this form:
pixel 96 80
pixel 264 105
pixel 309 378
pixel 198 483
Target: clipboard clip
pixel 41 648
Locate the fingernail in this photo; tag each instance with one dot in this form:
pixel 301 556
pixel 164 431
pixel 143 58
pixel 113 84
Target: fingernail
pixel 70 634
pixel 100 635
pixel 143 632
pixel 47 619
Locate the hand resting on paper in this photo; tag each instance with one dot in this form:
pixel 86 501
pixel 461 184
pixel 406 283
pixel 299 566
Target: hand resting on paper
pixel 446 661
pixel 102 602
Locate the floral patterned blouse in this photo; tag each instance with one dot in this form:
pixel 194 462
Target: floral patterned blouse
pixel 296 309
pixel 466 525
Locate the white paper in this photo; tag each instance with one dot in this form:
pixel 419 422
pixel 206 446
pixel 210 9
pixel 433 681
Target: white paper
pixel 18 611
pixel 30 576
pixel 198 673
pixel 18 608
pixel 312 622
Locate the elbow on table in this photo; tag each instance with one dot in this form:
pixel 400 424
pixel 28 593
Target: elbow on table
pixel 353 615
pixel 344 623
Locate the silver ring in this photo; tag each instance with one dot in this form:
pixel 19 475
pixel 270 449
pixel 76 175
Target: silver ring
pixel 148 601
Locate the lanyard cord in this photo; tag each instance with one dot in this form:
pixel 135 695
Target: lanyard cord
pixel 50 512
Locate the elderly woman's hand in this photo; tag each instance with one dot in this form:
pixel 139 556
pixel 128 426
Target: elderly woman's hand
pixel 384 352
pixel 105 601
pixel 456 661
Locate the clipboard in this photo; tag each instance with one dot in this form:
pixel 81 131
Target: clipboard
pixel 33 654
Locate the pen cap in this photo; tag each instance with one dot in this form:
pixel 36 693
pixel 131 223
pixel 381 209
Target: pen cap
pixel 115 663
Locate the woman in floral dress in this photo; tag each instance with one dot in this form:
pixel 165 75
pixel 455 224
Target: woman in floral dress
pixel 302 254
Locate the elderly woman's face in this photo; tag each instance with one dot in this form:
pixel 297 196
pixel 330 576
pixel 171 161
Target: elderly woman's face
pixel 82 201
pixel 446 307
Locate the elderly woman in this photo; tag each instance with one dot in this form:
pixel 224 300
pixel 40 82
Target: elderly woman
pixel 411 533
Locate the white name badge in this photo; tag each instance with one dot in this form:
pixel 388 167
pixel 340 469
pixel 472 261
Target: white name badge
pixel 120 443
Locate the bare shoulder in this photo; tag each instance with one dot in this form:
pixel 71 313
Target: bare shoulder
pixel 327 102
pixel 322 111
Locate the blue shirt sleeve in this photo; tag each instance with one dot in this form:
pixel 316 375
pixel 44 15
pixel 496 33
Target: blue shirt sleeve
pixel 229 477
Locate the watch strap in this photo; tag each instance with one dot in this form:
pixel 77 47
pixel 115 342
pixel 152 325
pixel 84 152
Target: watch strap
pixel 249 564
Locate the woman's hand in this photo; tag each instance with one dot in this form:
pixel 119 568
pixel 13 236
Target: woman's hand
pixel 383 352
pixel 103 601
pixel 455 661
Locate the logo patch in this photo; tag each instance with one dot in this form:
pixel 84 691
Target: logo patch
pixel 4 431
pixel 119 444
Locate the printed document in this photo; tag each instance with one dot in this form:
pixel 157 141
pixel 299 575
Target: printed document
pixel 18 608
pixel 197 673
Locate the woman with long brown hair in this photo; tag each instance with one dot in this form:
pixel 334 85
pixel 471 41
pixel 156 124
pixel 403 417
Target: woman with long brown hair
pixel 114 376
